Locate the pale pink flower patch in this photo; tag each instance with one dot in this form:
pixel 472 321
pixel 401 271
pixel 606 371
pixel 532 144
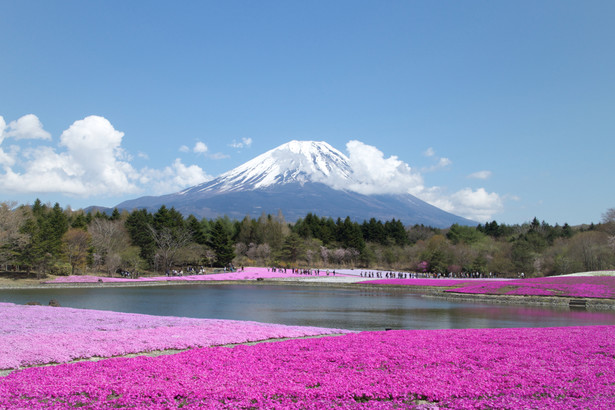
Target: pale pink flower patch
pixel 34 335
pixel 249 273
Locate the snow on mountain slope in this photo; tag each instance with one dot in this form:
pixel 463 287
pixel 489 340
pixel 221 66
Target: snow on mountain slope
pixel 293 162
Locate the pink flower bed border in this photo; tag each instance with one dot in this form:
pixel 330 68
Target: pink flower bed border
pixel 34 335
pixel 555 368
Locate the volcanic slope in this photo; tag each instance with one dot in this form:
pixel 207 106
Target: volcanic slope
pixel 296 178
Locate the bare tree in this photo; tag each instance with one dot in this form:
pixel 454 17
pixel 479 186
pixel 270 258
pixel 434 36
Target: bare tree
pixel 192 254
pixel 352 255
pixel 608 216
pixel 252 251
pixel 109 239
pixel 210 255
pixel 339 255
pixel 241 249
pixel 169 242
pixel 264 252
pixel 608 219
pixel 76 243
pixel 309 256
pixel 324 255
pixel 591 250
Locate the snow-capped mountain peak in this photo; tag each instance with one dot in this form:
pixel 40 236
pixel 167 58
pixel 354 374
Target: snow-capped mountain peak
pixel 293 162
pixel 297 178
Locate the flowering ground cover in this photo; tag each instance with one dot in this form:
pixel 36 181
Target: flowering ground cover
pixel 571 286
pixel 423 282
pixel 33 335
pixel 249 273
pixel 555 368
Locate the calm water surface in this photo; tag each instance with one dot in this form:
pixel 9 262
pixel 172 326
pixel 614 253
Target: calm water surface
pixel 309 306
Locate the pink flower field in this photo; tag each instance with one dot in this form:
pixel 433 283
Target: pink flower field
pixel 249 273
pixel 34 335
pixel 423 282
pixel 568 286
pixel 571 286
pixel 548 368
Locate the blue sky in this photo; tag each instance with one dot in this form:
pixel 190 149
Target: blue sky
pixel 502 110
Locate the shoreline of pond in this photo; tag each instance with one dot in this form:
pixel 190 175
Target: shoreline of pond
pixel 436 292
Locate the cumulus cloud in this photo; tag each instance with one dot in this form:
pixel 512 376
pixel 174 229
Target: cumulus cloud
pixel 480 175
pixel 477 205
pixel 2 127
pixel 5 159
pixel 372 173
pixel 88 161
pixel 26 127
pixel 90 165
pixel 200 148
pixel 173 177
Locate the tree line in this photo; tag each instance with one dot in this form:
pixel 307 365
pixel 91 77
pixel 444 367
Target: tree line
pixel 44 239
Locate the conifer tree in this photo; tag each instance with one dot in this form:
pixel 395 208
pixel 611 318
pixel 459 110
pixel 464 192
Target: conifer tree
pixel 220 243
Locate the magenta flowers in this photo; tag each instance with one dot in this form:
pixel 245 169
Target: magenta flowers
pixel 421 282
pixel 571 286
pixel 32 335
pixel 555 368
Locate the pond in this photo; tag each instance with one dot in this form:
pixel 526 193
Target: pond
pixel 347 308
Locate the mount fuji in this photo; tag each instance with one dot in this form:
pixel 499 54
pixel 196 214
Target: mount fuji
pixel 297 178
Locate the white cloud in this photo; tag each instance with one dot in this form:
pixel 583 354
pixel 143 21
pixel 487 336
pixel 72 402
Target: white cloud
pixel 27 127
pixel 2 127
pixel 5 159
pixel 372 173
pixel 480 175
pixel 172 178
pixel 200 148
pixel 90 165
pixel 88 161
pixel 477 205
pixel 441 162
pixel 184 148
pixel 244 143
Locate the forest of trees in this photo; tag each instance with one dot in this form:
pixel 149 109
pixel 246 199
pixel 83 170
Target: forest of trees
pixel 45 239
